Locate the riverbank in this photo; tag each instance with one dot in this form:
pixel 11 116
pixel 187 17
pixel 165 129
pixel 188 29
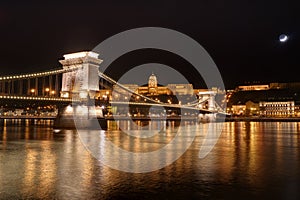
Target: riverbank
pixel 263 119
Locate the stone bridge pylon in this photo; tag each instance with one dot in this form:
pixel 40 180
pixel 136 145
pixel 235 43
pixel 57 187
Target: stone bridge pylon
pixel 84 81
pixel 80 83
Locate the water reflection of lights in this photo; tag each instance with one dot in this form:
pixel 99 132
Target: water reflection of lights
pixel 252 156
pixel 69 109
pixel 30 165
pixel 135 153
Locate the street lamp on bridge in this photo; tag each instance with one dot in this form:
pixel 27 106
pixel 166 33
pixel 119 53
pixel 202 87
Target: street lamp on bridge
pixel 32 91
pixel 47 91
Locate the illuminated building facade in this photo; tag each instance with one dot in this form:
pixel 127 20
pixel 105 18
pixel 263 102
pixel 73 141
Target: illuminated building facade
pixel 273 100
pixel 248 109
pixel 152 89
pixel 277 108
pixel 181 89
pixel 237 109
pixel 252 87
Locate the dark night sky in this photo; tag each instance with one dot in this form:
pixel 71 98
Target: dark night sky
pixel 240 36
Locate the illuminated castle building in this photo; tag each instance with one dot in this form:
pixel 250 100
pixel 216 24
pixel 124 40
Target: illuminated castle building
pixel 152 89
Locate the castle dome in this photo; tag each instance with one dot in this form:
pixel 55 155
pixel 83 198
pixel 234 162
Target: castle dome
pixel 152 82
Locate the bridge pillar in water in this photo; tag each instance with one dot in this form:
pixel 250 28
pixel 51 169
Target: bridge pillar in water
pixel 80 82
pixel 80 116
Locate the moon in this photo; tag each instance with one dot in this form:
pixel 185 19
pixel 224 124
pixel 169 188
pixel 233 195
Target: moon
pixel 283 38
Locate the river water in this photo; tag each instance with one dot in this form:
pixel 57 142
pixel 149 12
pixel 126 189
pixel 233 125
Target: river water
pixel 251 160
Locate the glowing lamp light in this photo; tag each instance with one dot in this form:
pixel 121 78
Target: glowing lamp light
pixel 56 130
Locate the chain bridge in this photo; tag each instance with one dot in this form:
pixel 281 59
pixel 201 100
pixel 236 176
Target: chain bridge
pixel 79 81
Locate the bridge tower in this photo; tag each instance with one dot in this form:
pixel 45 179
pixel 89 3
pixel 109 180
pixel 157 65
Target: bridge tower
pixel 80 82
pixel 84 81
pixel 209 97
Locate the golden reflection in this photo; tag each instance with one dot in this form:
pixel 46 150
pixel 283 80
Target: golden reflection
pixel 103 150
pixel 225 143
pixel 250 153
pixel 139 139
pixel 246 151
pixel 27 133
pixel 75 164
pixel 240 150
pixel 4 137
pixel 47 168
pixel 31 169
pixel 88 174
pixel 278 139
